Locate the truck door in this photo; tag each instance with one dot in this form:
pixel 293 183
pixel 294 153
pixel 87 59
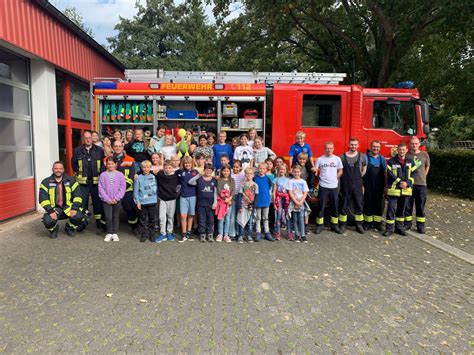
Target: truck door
pixel 390 121
pixel 322 115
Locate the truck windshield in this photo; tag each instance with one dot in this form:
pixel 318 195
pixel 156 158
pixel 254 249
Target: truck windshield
pixel 401 118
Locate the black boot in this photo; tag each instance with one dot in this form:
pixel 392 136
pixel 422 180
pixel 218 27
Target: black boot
pixel 359 228
pixel 341 227
pixel 400 232
pixel 378 226
pixel 54 233
pixel 69 231
pixel 387 233
pixel 367 226
pixel 336 229
pixel 421 228
pixel 319 228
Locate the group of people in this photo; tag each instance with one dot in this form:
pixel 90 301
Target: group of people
pixel 250 192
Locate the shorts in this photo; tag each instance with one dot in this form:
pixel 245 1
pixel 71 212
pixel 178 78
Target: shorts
pixel 187 205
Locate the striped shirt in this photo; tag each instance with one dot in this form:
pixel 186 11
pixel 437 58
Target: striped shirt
pixel 239 180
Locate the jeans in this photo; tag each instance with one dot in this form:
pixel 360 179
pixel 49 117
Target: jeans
pixel 112 213
pixel 247 230
pixel 234 227
pixel 298 222
pixel 223 226
pixel 280 216
pixel 262 215
pixel 206 220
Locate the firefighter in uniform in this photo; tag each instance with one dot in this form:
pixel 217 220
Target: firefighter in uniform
pixel 60 196
pixel 329 169
pixel 125 164
pixel 375 180
pixel 400 172
pixel 352 186
pixel 87 164
pixel 422 161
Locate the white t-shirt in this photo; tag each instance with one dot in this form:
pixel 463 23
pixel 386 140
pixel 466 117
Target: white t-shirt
pixel 168 151
pixel 298 187
pixel 328 167
pixel 244 154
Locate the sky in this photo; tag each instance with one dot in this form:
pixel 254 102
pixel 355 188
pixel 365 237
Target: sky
pixel 102 15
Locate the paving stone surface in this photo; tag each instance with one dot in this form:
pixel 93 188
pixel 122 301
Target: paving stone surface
pixel 350 294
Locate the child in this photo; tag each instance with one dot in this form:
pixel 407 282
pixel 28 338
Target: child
pixel 245 216
pixel 211 140
pixel 263 203
pixel 96 139
pixel 200 160
pixel 298 190
pixel 156 163
pixel 129 136
pixel 235 143
pixel 225 201
pixel 278 162
pixel 158 140
pixel 223 161
pixel 270 169
pixel 239 177
pixel 169 148
pixel 203 149
pixel 307 174
pixel 222 149
pixel 175 162
pixel 144 194
pixel 252 136
pixel 244 152
pixel 187 200
pixel 281 200
pixel 168 188
pixel 117 135
pixel 260 152
pixel 137 149
pixel 111 191
pixel 299 147
pixel 206 202
pixel 107 145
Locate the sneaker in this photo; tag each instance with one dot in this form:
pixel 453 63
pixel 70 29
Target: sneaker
pixel 277 236
pixel 115 237
pixel 227 239
pixel 170 237
pixel 184 237
pixel 190 236
pixel 297 239
pixel 108 238
pixel 258 236
pixel 54 233
pixel 283 227
pixel 304 239
pixel 240 240
pixel 210 238
pixel 249 239
pixel 219 238
pixel 202 238
pixel 319 228
pixel 160 239
pixel 269 237
pixel 290 236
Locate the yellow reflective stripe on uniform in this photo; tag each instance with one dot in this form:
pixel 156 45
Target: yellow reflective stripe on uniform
pixel 319 220
pixel 409 218
pixel 390 221
pixel 45 203
pixel 52 196
pixel 68 195
pixel 79 172
pixel 74 186
pixel 95 179
pixel 378 218
pixel 368 218
pixel 97 216
pixel 67 211
pixel 400 219
pixel 334 220
pixel 77 199
pixel 407 191
pixel 98 166
pixel 342 218
pixel 44 188
pixel 134 221
pixel 358 217
pixel 421 219
pixel 71 225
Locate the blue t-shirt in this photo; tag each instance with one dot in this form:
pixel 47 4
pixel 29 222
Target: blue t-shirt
pixel 220 150
pixel 282 184
pixel 205 192
pixel 184 177
pixel 264 187
pixel 376 161
pixel 297 149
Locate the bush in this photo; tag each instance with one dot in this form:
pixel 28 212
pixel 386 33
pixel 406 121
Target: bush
pixel 452 171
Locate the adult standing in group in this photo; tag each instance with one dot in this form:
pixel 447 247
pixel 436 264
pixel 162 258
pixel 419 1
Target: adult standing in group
pixel 422 161
pixel 87 163
pixel 125 164
pixel 59 195
pixel 375 180
pixel 329 167
pixel 352 186
pixel 400 172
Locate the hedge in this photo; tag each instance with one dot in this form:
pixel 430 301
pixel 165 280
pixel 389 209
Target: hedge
pixel 452 171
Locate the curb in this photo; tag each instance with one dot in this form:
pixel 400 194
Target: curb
pixel 444 247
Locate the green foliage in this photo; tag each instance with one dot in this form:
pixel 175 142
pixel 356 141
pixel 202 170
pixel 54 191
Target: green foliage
pixel 452 171
pixel 166 35
pixel 73 14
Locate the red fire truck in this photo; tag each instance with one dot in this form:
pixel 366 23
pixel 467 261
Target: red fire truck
pixel 277 105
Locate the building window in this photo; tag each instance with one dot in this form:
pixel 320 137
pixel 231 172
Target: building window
pixel 16 152
pixel 321 111
pixel 80 101
pixel 60 94
pixel 399 117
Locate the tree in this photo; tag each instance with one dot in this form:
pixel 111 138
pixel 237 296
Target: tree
pixel 166 35
pixel 73 14
pixel 366 39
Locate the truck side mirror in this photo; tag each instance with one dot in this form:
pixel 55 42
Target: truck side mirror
pixel 425 111
pixel 426 128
